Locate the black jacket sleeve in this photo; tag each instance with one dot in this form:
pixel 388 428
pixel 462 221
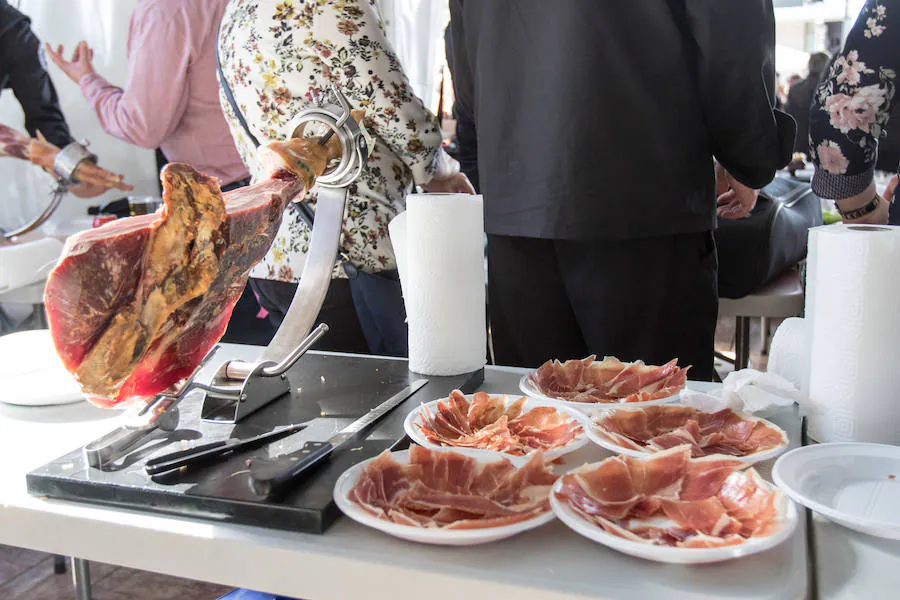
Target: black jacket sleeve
pixel 734 49
pixel 21 70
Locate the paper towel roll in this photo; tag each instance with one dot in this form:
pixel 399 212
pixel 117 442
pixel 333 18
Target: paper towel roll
pixel 789 352
pixel 440 256
pixel 853 332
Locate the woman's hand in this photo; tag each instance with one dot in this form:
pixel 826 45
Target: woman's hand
pixel 880 215
pixel 457 183
pixel 79 66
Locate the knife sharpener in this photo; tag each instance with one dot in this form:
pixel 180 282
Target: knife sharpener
pixel 240 388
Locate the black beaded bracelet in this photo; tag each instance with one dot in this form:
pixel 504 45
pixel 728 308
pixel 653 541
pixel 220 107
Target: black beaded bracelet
pixel 862 211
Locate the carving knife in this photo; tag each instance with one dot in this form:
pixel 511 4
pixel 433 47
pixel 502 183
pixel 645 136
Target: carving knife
pixel 272 480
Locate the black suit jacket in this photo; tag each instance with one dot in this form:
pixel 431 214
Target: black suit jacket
pixel 22 71
pixel 599 119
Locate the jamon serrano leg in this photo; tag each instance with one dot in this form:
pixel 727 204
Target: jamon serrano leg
pixel 42 153
pixel 133 306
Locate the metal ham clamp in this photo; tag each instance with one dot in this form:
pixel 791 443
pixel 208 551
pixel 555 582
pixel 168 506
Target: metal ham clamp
pixel 239 388
pixel 64 166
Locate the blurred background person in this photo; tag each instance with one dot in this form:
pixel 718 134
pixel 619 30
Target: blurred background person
pixel 276 57
pixel 600 193
pixel 22 71
pixel 850 112
pixel 800 98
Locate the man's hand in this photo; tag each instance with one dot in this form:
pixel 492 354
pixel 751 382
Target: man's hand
pixel 457 183
pixel 86 190
pixel 734 199
pixel 79 66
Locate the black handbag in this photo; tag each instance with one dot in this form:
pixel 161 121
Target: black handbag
pixel 769 241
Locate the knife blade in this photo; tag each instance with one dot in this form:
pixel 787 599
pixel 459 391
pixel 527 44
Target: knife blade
pixel 206 453
pixel 272 480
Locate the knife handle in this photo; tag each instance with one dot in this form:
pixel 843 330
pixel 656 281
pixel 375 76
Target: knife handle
pixel 174 460
pixel 273 484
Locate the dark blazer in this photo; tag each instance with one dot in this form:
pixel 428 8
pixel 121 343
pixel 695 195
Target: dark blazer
pixel 22 70
pixel 600 119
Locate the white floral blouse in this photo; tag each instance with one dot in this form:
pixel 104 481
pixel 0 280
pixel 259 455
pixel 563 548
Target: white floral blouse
pixel 277 55
pixel 852 104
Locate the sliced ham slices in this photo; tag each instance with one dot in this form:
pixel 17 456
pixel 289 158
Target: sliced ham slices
pixel 672 500
pixel 497 423
pixel 637 431
pixel 447 497
pixel 609 381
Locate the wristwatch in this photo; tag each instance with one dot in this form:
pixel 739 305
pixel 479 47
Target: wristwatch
pixel 862 211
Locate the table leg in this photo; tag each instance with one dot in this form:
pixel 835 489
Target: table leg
pixel 741 343
pixel 81 577
pixel 764 334
pixel 40 317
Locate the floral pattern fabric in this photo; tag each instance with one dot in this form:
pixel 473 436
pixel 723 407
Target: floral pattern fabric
pixel 280 55
pixel 852 104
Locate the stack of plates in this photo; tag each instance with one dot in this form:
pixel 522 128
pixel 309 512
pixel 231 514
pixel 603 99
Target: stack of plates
pixel 32 373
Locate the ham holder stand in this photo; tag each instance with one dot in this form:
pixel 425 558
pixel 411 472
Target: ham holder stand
pixel 239 388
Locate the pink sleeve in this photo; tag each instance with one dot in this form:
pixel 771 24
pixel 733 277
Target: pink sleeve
pixel 149 108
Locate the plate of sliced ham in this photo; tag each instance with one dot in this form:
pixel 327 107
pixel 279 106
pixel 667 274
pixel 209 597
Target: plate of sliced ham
pixel 509 425
pixel 638 431
pixel 589 383
pixel 669 507
pixel 448 498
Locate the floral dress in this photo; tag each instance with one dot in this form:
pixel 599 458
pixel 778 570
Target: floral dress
pixel 852 104
pixel 277 55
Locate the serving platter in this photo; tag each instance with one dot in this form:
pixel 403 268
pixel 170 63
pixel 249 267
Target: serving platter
pixel 432 535
pixel 410 425
pixel 589 408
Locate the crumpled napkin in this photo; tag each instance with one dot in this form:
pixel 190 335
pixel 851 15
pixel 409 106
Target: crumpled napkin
pixel 747 391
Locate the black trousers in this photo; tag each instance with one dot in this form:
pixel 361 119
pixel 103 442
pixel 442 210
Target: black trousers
pixel 344 331
pixel 652 299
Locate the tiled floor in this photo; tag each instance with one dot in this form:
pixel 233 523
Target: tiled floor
pixel 28 575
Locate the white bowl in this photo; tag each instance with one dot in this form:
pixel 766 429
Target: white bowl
pixel 580 441
pixel 588 408
pixel 849 483
pixel 670 554
pixel 750 458
pixel 445 537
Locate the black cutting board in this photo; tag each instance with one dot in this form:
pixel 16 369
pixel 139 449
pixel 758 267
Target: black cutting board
pixel 329 391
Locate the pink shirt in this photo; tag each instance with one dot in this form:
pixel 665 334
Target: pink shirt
pixel 171 98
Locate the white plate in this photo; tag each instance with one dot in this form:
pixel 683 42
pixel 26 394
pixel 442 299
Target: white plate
pixel 750 458
pixel 669 554
pixel 846 482
pixel 31 372
pixel 451 537
pixel 587 408
pixel 580 441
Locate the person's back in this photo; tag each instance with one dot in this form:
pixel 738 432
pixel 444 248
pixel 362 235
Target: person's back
pixel 800 98
pixel 600 119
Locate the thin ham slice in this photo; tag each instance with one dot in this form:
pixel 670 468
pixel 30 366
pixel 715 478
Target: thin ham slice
pixel 451 491
pixel 655 428
pixel 671 499
pixel 608 381
pixel 488 423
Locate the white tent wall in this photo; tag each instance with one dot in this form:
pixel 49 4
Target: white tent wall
pixel 104 24
pixel 416 31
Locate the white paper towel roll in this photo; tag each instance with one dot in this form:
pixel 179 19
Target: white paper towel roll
pixel 789 353
pixel 853 332
pixel 439 243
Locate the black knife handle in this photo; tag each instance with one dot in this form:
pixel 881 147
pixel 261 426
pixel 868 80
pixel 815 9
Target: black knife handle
pixel 173 460
pixel 273 484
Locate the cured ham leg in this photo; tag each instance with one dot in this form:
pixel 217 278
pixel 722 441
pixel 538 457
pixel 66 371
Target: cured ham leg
pixel 42 153
pixel 135 305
